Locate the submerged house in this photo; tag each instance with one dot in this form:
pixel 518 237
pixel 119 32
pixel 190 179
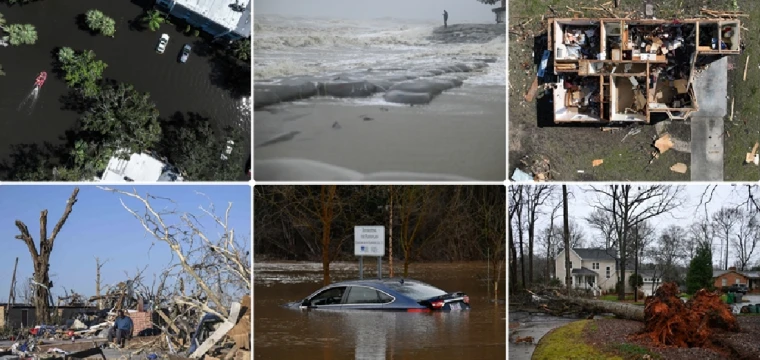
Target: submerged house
pixel 500 12
pixel 621 70
pixel 222 19
pixel 143 167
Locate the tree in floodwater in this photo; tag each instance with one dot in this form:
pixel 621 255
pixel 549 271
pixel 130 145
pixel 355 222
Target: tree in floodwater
pixel 123 119
pixel 99 22
pixel 19 34
pixel 700 275
pixel 41 257
pixel 193 146
pixel 153 19
pixel 81 70
pixel 414 203
pixel 241 49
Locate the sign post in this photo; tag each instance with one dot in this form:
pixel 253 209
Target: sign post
pixel 369 241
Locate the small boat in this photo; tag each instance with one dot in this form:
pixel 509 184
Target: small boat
pixel 40 80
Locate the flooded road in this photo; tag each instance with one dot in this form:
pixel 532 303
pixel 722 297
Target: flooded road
pixel 201 85
pixel 536 326
pixel 282 333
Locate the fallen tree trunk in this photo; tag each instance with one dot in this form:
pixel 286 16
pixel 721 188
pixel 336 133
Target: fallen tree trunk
pixel 621 310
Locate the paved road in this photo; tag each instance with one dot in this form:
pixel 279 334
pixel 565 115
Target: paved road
pixel 707 124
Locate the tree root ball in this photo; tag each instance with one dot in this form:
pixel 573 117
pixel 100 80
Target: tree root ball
pixel 671 322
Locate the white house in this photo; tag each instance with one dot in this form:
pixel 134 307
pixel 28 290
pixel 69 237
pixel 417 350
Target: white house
pixel 139 168
pixel 591 268
pixel 652 281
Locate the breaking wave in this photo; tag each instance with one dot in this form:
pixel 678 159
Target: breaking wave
pixel 279 38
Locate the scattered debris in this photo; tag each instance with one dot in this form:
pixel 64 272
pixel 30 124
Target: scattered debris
pixel 679 168
pixel 519 175
pixel 663 144
pixel 527 339
pixel 532 91
pixel 745 68
pixel 597 162
pixel 632 132
pixel 731 118
pixel 751 156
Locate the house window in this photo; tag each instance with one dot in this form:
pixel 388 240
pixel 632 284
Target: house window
pixel 595 266
pixel 571 264
pixel 738 281
pixel 608 272
pixel 724 282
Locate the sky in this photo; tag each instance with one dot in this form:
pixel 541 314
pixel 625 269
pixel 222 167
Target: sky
pixel 581 202
pixel 100 226
pixel 460 11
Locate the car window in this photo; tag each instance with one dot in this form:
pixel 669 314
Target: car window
pixel 415 290
pixel 365 295
pixel 330 296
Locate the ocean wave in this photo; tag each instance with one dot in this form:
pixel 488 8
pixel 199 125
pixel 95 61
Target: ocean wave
pixel 339 37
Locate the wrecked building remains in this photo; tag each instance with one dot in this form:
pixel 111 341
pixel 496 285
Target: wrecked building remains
pixel 612 70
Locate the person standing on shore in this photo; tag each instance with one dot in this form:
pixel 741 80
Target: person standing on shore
pixel 445 18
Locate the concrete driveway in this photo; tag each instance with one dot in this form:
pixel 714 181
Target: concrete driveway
pixel 710 87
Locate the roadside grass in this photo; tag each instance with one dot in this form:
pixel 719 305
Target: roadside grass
pixel 567 342
pixel 631 351
pixel 571 150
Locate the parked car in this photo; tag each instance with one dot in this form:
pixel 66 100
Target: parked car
pixel 162 42
pixel 386 294
pixel 185 53
pixel 738 288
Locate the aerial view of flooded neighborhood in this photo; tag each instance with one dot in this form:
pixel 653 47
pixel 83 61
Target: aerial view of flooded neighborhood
pixel 125 91
pixel 69 292
pixel 647 271
pixel 370 90
pixel 644 90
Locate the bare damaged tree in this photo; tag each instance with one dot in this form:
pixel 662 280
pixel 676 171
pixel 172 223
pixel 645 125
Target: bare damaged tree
pixel 746 239
pixel 550 253
pixel 98 266
pixel 41 257
pixel 514 203
pixel 535 198
pixel 566 233
pixel 216 269
pixel 725 221
pixel 629 207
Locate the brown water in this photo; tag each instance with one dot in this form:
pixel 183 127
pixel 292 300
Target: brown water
pixel 282 333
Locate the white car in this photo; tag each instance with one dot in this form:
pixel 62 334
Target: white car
pixel 228 149
pixel 162 43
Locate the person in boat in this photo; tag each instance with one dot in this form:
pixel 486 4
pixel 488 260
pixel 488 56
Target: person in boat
pixel 445 18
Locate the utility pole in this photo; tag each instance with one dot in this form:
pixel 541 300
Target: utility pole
pixel 390 234
pixel 12 292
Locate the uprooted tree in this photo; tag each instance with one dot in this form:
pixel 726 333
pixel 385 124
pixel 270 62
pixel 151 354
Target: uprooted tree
pixel 209 272
pixel 41 257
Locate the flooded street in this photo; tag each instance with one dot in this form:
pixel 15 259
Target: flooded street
pixel 283 333
pixel 199 86
pixel 536 326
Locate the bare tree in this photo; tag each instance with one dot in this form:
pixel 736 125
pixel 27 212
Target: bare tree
pixel 629 207
pixel 514 204
pixel 550 245
pixel 215 269
pixel 535 197
pixel 604 223
pixel 98 266
pixel 724 222
pixel 41 256
pixel 670 252
pixel 566 233
pixel 746 239
pixel 700 232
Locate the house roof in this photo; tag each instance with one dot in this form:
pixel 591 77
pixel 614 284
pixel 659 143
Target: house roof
pixel 584 271
pixel 223 12
pixel 595 253
pixel 747 274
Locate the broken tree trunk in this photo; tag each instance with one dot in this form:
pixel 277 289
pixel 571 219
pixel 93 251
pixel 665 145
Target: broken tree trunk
pixel 41 258
pixel 619 309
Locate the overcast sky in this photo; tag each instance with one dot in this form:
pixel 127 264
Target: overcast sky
pixel 459 10
pixel 581 202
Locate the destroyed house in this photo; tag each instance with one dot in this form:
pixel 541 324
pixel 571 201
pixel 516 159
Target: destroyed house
pixel 625 71
pixel 16 316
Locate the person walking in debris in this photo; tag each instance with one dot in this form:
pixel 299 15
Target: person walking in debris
pixel 445 18
pixel 121 330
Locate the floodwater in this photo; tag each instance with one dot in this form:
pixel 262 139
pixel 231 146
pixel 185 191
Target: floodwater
pixel 283 333
pixel 200 86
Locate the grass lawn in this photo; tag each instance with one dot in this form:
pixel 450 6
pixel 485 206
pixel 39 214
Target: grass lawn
pixel 571 150
pixel 569 342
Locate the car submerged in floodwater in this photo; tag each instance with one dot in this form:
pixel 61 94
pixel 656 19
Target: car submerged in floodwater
pixel 384 295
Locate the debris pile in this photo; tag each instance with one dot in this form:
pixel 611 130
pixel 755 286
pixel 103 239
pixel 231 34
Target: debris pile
pixel 671 322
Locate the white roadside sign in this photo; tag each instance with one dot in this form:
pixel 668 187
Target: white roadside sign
pixel 369 241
